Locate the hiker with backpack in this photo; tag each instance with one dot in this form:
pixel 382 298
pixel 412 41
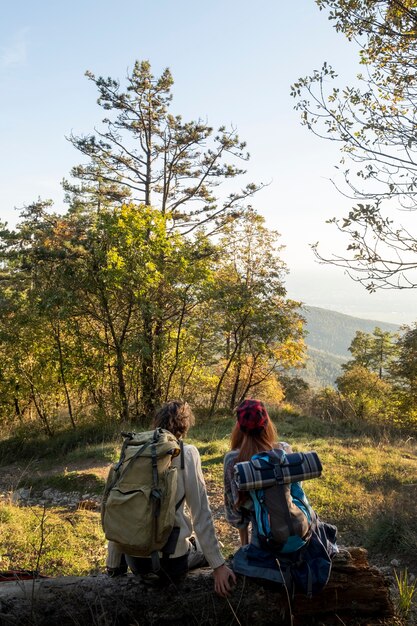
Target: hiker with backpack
pixel 181 551
pixel 282 539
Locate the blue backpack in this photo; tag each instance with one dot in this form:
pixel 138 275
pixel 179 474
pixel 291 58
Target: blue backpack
pixel 290 535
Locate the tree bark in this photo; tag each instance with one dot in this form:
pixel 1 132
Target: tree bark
pixel 356 594
pixel 57 334
pixel 148 368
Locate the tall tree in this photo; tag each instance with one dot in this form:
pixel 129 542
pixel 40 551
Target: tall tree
pixel 156 157
pixel 259 331
pixel 138 283
pixel 83 290
pixel 404 368
pixel 145 152
pixel 374 352
pixel 374 123
pixel 32 257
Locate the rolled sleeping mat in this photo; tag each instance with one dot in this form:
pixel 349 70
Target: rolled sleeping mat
pixel 268 468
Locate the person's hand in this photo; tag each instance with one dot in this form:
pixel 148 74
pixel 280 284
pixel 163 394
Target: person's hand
pixel 224 579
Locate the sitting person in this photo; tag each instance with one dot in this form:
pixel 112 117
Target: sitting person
pixel 190 552
pixel 254 433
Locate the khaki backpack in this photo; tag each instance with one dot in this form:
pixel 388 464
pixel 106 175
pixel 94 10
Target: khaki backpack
pixel 138 507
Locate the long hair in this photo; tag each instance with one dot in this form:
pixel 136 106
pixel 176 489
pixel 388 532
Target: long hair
pixel 249 444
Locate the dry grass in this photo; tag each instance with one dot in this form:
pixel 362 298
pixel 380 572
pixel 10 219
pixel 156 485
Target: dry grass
pixel 368 489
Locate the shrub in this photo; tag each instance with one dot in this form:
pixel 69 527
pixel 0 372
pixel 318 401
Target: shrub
pixel 393 528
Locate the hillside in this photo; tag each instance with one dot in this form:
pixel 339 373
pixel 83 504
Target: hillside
pixel 329 335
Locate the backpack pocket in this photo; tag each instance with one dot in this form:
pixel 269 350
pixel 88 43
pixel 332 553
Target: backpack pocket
pixel 128 518
pixel 166 517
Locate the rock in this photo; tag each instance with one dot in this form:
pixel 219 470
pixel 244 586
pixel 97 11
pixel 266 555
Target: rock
pixel 20 495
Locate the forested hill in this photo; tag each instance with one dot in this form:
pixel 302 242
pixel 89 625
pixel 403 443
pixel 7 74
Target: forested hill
pixel 329 335
pixel 333 332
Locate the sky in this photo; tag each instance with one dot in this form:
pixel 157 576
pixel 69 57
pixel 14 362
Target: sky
pixel 233 62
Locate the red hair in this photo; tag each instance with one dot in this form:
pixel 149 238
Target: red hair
pixel 249 444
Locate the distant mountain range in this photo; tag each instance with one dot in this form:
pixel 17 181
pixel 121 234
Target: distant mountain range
pixel 329 335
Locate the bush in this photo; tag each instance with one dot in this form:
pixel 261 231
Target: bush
pixel 393 529
pixel 329 405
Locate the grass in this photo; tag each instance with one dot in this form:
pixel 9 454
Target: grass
pixel 69 482
pixel 406 590
pixel 74 542
pixel 368 489
pixel 90 440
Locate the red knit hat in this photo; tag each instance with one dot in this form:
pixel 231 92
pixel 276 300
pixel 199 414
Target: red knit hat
pixel 252 416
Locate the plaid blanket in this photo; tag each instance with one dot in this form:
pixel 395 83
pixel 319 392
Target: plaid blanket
pixel 266 468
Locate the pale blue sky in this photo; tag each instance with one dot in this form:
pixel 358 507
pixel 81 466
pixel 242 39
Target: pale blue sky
pixel 233 63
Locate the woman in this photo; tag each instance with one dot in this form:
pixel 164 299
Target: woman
pixel 177 417
pixel 254 433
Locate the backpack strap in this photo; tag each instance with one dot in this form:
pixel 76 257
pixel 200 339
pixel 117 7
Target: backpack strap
pixel 286 510
pixel 120 462
pixel 155 496
pixel 128 438
pixel 182 466
pixel 172 541
pixel 182 453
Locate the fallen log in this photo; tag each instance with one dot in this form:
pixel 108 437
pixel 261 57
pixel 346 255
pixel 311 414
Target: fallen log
pixel 356 594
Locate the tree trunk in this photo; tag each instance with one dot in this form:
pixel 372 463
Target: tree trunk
pixel 124 409
pixel 177 347
pixel 40 411
pixel 147 367
pixel 235 384
pixel 57 332
pixel 356 594
pixel 17 410
pixel 221 379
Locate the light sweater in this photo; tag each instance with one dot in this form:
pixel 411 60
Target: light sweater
pixel 195 518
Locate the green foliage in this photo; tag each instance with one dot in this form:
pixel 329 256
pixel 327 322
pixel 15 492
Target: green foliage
pixel 144 151
pixel 391 535
pixel 58 542
pixel 93 440
pixel 374 123
pixel 328 405
pixel 367 489
pixel 404 368
pixel 72 481
pixel 96 300
pixel 258 332
pixel 374 386
pixel 328 337
pixel 296 391
pixel 374 352
pixel 115 305
pixel 406 591
pixel 367 394
pixel 129 309
pixel 6 515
